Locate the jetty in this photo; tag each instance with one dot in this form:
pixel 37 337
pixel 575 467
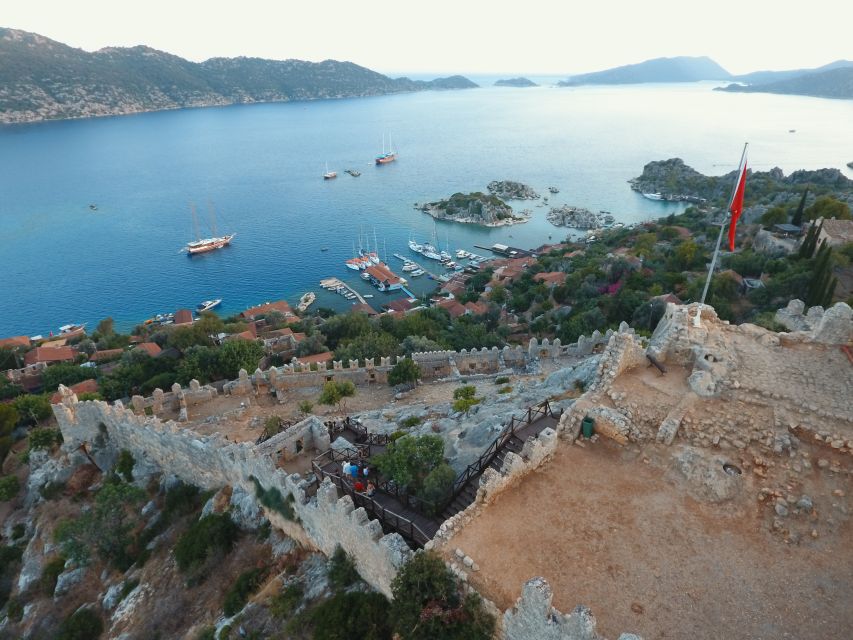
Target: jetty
pixel 506 250
pixel 334 284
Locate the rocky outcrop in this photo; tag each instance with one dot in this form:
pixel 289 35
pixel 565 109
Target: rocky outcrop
pixel 474 208
pixel 511 190
pixel 577 217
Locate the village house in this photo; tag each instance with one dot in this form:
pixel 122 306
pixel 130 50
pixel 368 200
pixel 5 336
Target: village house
pixel 551 278
pixel 151 348
pixel 183 316
pixel 105 355
pixel 835 232
pixel 452 307
pixel 15 342
pixel 280 306
pixel 50 355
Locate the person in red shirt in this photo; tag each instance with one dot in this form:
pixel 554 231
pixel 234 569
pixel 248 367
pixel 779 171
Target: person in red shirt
pixel 358 486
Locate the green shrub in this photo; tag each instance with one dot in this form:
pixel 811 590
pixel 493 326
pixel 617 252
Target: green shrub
pixel 428 604
pixel 89 395
pixel 51 490
pixel 305 407
pixel 208 633
pixel 44 438
pixel 286 602
pixel 238 594
pixel 181 499
pixel 124 465
pixel 409 460
pixel 215 533
pixel 127 587
pixel 405 371
pixel 15 610
pixel 18 531
pixel 580 385
pixel 342 572
pixel 468 391
pixel 9 488
pixel 501 379
pixel 272 499
pixel 505 390
pixel 359 615
pixel 411 421
pixel 437 485
pixel 50 573
pixel 83 624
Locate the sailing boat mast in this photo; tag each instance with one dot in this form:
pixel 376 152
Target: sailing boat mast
pixel 212 218
pixel 195 222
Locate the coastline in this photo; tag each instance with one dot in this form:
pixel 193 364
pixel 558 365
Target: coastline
pixel 435 213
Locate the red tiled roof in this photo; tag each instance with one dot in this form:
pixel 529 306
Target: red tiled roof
pixel 279 333
pixel 477 308
pixel 453 308
pixel 106 354
pixel 87 386
pixel 551 277
pixel 298 337
pixel 16 341
pixel 243 335
pixel 183 316
pixel 382 273
pixel 401 305
pixel 263 309
pixel 326 356
pixel 365 308
pixel 50 354
pixel 151 348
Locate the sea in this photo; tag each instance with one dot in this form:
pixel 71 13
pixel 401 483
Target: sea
pixel 259 168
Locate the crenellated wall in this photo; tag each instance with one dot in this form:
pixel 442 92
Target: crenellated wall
pixel 211 462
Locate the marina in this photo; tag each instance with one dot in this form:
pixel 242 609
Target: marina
pixel 339 286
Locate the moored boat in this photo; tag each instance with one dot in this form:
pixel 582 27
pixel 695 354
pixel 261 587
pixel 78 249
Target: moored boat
pixel 72 330
pixel 653 196
pixel 329 175
pixel 386 156
pixel 207 305
pixel 203 245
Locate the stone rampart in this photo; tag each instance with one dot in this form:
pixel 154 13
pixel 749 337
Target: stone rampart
pixel 211 462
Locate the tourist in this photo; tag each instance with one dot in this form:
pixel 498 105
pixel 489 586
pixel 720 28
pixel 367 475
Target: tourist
pixel 358 486
pixel 345 468
pixel 371 488
pixel 365 471
pixel 353 468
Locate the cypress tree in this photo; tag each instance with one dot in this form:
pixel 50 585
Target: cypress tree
pixel 830 292
pixel 798 216
pixel 804 247
pixel 821 275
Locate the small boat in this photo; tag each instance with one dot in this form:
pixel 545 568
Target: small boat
pixel 367 295
pixel 324 248
pixel 72 330
pixel 414 246
pixel 207 305
pixel 353 173
pixel 410 266
pixel 553 190
pixel 653 196
pixel 93 207
pixel 462 254
pixel 354 263
pixel 306 301
pixel 365 276
pixel 792 131
pixel 329 175
pixel 417 272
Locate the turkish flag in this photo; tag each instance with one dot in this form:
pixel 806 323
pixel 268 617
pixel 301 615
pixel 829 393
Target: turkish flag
pixel 737 204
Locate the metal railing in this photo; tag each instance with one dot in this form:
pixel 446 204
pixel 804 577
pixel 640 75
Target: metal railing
pixel 480 464
pixel 387 517
pixel 363 436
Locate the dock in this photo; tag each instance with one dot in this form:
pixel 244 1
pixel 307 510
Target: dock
pixel 334 283
pixel 505 250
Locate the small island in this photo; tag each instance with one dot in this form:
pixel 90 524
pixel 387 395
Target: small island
pixel 578 218
pixel 516 82
pixel 511 190
pixel 474 208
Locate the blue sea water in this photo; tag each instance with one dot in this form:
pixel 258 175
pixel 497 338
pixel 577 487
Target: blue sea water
pixel 261 166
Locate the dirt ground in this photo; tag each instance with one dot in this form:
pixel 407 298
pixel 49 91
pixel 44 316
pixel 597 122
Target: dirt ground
pixel 617 533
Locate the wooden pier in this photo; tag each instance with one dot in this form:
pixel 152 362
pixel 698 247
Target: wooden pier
pixel 334 283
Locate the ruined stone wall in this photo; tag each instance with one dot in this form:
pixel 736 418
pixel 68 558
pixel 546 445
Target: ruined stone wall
pixel 211 462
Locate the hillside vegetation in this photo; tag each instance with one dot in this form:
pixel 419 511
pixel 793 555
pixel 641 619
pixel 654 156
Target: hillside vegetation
pixel 43 79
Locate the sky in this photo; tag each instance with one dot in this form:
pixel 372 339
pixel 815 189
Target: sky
pixel 534 37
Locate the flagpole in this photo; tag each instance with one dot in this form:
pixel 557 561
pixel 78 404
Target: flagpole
pixel 698 318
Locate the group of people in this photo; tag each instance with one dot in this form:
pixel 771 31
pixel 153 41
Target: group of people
pixel 360 475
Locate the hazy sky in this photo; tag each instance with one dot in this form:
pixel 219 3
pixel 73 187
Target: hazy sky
pixel 458 36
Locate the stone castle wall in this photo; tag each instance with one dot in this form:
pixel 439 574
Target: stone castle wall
pixel 211 462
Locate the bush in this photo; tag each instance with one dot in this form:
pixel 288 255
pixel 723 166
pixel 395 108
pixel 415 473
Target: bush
pixel 181 499
pixel 15 610
pixel 359 615
pixel 505 390
pixel 501 379
pixel 51 490
pixel 32 409
pixel 305 407
pixel 428 604
pixel 438 484
pixel 404 371
pixel 83 624
pixel 18 531
pixel 272 499
pixel 285 603
pixel 214 533
pixel 411 421
pixel 9 487
pixel 208 633
pixel 239 593
pixel 468 391
pixel 341 571
pixel 124 465
pixel 410 459
pixel 50 573
pixel 44 438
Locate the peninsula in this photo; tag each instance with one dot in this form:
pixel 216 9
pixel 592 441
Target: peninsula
pixel 834 83
pixel 41 79
pixel 474 208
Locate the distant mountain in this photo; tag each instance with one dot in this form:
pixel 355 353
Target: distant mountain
pixel 835 83
pixel 516 82
pixel 761 77
pixel 680 69
pixel 41 79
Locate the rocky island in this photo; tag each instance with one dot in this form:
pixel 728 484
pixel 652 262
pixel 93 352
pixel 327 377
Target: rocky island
pixel 578 217
pixel 474 208
pixel 511 190
pixel 516 82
